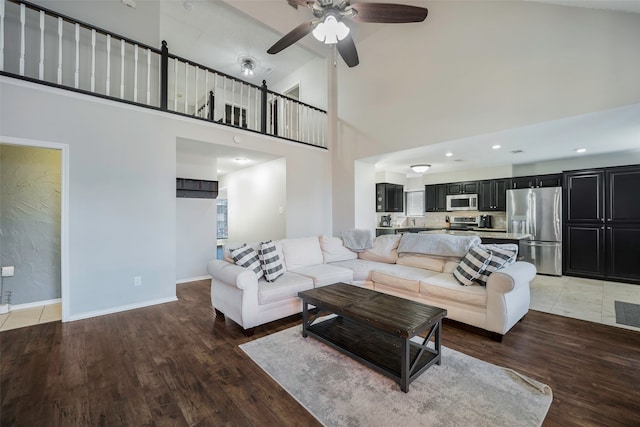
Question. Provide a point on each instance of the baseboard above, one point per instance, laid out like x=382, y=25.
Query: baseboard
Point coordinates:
x=192, y=279
x=118, y=309
x=35, y=304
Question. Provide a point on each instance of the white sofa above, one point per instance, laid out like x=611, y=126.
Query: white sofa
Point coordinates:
x=314, y=261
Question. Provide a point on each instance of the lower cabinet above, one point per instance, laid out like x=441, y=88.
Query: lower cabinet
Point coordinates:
x=623, y=256
x=584, y=250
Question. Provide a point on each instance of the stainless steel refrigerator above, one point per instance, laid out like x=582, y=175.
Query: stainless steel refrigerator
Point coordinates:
x=538, y=211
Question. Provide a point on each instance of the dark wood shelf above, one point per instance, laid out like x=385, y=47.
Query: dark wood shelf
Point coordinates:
x=196, y=188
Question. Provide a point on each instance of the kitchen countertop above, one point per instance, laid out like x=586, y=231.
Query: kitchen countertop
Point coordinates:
x=485, y=234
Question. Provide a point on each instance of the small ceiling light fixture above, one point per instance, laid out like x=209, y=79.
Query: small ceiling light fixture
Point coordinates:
x=420, y=168
x=580, y=150
x=449, y=154
x=247, y=67
x=495, y=147
x=241, y=160
x=331, y=30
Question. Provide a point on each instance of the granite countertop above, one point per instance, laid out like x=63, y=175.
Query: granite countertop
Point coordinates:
x=485, y=234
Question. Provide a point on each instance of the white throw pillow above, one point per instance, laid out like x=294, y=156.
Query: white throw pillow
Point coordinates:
x=502, y=256
x=301, y=252
x=247, y=257
x=270, y=261
x=333, y=250
x=472, y=265
x=385, y=249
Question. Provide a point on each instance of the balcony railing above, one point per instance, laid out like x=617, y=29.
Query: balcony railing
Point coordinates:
x=40, y=45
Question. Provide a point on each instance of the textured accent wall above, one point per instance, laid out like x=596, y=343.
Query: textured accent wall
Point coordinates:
x=30, y=189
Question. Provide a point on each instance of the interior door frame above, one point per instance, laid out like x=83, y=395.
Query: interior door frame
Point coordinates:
x=64, y=210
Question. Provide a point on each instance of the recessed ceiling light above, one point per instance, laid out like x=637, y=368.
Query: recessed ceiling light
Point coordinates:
x=449, y=154
x=241, y=160
x=580, y=150
x=495, y=147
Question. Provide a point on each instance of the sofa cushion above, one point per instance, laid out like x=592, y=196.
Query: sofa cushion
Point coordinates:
x=472, y=265
x=445, y=286
x=502, y=255
x=301, y=252
x=437, y=244
x=384, y=249
x=325, y=274
x=270, y=261
x=428, y=262
x=361, y=268
x=451, y=264
x=333, y=250
x=287, y=286
x=401, y=277
x=246, y=256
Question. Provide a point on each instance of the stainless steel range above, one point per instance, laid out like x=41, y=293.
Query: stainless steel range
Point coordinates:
x=464, y=222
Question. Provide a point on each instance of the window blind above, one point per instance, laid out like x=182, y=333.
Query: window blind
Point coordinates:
x=415, y=203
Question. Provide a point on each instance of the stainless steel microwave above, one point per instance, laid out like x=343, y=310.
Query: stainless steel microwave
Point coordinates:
x=462, y=202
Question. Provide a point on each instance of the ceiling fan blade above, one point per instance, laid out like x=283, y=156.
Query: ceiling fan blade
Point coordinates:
x=291, y=37
x=388, y=13
x=347, y=49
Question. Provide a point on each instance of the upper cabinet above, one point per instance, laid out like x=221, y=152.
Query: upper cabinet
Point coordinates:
x=389, y=197
x=537, y=181
x=196, y=188
x=469, y=187
x=584, y=196
x=435, y=198
x=492, y=194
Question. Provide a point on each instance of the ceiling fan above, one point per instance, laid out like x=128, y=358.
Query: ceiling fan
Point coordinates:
x=328, y=25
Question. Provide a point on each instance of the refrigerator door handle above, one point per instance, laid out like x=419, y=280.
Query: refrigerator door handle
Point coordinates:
x=543, y=244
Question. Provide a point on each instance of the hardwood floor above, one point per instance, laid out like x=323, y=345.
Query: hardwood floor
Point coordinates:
x=174, y=365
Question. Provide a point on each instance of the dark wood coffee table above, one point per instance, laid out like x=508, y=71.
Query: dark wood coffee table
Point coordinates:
x=376, y=329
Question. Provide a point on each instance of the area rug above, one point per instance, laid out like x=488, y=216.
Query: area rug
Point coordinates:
x=627, y=313
x=338, y=391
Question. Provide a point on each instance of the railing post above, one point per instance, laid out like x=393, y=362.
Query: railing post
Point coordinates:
x=212, y=100
x=263, y=115
x=164, y=75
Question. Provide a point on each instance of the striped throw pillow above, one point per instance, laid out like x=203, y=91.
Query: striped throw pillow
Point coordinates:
x=501, y=256
x=245, y=256
x=472, y=265
x=270, y=261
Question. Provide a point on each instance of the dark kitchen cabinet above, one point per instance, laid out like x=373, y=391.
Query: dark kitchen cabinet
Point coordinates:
x=584, y=250
x=196, y=188
x=584, y=196
x=622, y=256
x=602, y=223
x=537, y=181
x=389, y=197
x=435, y=198
x=623, y=187
x=469, y=187
x=492, y=194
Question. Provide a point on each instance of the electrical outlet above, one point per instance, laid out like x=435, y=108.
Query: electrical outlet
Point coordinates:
x=137, y=281
x=8, y=271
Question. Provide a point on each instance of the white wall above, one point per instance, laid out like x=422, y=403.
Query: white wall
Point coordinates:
x=30, y=221
x=312, y=79
x=257, y=202
x=122, y=170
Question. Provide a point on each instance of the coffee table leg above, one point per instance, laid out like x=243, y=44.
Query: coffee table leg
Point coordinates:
x=305, y=317
x=404, y=365
x=437, y=342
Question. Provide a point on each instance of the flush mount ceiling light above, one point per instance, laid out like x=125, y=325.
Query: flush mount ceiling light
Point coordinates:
x=247, y=67
x=581, y=150
x=331, y=30
x=495, y=147
x=420, y=168
x=449, y=154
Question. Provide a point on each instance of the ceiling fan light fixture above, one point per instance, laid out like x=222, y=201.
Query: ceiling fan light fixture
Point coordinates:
x=247, y=67
x=420, y=168
x=331, y=30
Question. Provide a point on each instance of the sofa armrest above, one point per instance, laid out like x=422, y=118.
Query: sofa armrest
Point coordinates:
x=511, y=277
x=232, y=275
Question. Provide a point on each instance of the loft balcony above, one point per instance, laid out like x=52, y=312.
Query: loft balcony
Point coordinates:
x=43, y=46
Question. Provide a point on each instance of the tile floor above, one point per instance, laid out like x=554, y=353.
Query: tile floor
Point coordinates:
x=584, y=299
x=30, y=316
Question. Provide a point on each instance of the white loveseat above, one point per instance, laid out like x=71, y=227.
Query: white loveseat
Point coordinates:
x=314, y=261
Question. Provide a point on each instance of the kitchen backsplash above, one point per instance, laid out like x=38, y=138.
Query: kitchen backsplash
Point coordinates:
x=437, y=219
